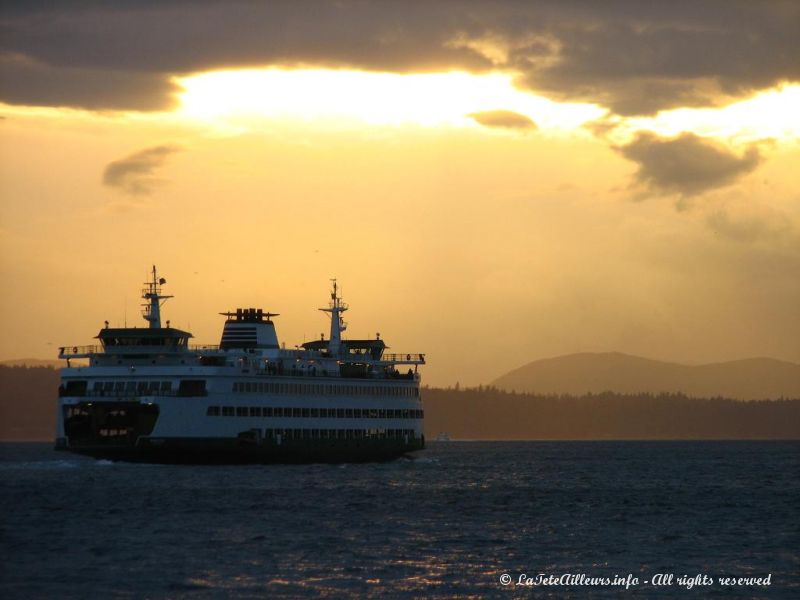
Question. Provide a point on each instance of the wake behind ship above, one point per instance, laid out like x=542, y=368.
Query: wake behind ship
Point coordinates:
x=148, y=395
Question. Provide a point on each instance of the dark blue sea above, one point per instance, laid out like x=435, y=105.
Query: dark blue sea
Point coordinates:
x=459, y=521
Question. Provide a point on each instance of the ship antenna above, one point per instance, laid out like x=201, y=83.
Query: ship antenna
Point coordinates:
x=151, y=309
x=336, y=308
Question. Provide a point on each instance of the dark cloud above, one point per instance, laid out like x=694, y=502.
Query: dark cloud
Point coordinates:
x=503, y=118
x=30, y=83
x=629, y=55
x=133, y=174
x=687, y=165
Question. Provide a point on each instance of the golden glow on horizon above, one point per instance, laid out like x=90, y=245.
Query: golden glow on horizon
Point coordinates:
x=373, y=98
x=241, y=101
x=774, y=114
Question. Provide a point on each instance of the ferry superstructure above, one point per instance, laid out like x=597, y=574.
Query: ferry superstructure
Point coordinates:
x=149, y=395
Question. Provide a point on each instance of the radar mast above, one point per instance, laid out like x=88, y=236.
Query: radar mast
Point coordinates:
x=151, y=309
x=336, y=308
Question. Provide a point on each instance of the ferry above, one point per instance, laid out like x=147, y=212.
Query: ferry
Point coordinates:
x=146, y=394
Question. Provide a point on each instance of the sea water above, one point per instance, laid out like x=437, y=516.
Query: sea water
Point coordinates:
x=463, y=519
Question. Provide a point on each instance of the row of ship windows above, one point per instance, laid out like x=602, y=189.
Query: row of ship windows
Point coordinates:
x=340, y=434
x=325, y=413
x=154, y=387
x=132, y=386
x=269, y=387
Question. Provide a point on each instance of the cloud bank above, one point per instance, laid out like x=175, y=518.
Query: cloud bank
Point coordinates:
x=687, y=165
x=133, y=175
x=631, y=56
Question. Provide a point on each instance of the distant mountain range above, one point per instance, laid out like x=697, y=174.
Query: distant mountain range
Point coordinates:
x=577, y=374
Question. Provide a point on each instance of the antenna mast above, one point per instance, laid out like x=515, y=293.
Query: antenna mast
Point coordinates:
x=151, y=309
x=336, y=308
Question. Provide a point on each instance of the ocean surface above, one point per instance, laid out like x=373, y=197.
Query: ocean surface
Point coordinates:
x=458, y=521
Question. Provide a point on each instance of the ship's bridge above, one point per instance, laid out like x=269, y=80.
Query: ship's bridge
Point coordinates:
x=352, y=350
x=162, y=339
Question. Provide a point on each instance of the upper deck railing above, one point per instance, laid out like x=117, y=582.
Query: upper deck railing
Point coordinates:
x=404, y=358
x=82, y=351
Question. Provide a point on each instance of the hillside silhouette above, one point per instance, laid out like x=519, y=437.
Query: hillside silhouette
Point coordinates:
x=494, y=414
x=585, y=373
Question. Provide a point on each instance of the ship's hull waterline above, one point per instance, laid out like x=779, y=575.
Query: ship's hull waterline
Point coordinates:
x=225, y=451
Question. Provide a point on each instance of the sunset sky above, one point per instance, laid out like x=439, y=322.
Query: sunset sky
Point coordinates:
x=490, y=182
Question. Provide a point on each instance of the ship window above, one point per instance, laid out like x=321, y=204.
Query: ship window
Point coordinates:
x=235, y=386
x=340, y=413
x=255, y=411
x=382, y=413
x=213, y=411
x=241, y=411
x=97, y=386
x=119, y=386
x=357, y=413
x=130, y=386
x=268, y=433
x=267, y=411
x=305, y=413
x=296, y=412
x=348, y=413
x=141, y=387
x=314, y=412
x=315, y=434
x=166, y=386
x=227, y=411
x=154, y=385
x=297, y=434
x=323, y=434
x=306, y=434
x=108, y=386
x=192, y=387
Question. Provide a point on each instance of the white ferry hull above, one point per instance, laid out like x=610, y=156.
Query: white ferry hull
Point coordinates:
x=244, y=428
